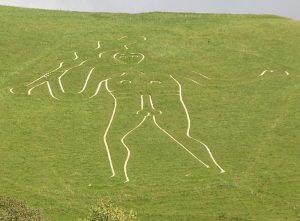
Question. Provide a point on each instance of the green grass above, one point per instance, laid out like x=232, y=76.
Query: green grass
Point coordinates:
x=50, y=150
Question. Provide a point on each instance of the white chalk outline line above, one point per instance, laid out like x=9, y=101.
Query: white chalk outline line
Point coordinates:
x=121, y=82
x=201, y=74
x=76, y=56
x=11, y=91
x=287, y=73
x=152, y=82
x=49, y=89
x=151, y=103
x=115, y=57
x=116, y=54
x=126, y=46
x=98, y=89
x=30, y=90
x=47, y=74
x=87, y=79
x=60, y=77
x=122, y=38
x=143, y=57
x=180, y=144
x=123, y=74
x=142, y=104
x=265, y=71
x=134, y=54
x=189, y=126
x=210, y=154
x=262, y=74
x=196, y=82
x=127, y=148
x=100, y=54
x=108, y=128
x=98, y=45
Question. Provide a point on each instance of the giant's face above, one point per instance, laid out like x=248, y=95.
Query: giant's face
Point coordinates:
x=129, y=58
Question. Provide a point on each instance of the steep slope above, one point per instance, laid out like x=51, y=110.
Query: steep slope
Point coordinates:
x=230, y=82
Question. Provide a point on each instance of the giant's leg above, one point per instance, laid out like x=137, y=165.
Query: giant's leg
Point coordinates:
x=176, y=123
x=188, y=129
x=123, y=122
x=127, y=148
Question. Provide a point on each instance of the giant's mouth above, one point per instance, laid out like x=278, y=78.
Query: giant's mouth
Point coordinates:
x=129, y=58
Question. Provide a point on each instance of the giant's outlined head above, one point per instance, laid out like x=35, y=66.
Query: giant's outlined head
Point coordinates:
x=129, y=55
x=129, y=58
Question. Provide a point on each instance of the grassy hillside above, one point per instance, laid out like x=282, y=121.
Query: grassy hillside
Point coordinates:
x=52, y=152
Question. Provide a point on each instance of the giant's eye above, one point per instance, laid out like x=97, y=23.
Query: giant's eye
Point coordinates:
x=130, y=58
x=125, y=81
x=155, y=82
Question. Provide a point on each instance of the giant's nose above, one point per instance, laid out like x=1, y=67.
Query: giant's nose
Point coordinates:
x=129, y=58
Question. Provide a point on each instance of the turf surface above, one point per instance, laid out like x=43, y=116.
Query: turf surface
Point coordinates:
x=52, y=152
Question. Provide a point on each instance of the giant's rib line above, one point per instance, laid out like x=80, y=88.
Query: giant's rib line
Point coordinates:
x=86, y=81
x=65, y=72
